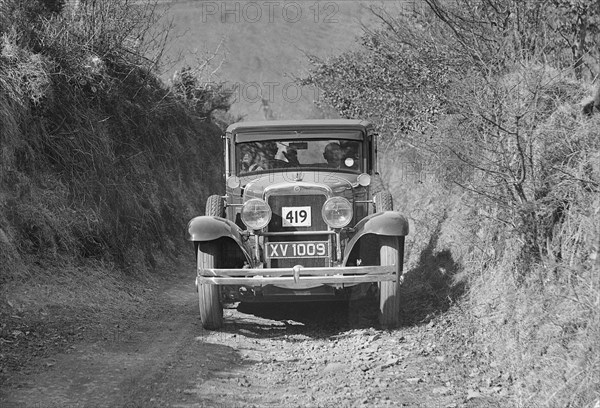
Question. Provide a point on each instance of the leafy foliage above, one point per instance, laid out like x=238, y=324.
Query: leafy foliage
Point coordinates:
x=398, y=78
x=101, y=161
x=482, y=93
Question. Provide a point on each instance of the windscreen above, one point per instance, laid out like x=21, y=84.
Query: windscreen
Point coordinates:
x=300, y=154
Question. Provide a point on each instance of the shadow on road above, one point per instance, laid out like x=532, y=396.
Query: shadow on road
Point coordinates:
x=312, y=319
x=429, y=288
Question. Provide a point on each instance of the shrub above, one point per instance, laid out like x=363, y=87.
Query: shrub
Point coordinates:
x=100, y=159
x=513, y=206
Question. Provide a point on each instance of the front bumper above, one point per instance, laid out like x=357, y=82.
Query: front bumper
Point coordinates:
x=298, y=276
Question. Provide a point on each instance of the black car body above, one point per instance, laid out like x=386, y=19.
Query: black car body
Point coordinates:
x=299, y=220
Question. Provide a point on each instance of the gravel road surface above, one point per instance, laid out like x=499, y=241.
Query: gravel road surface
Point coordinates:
x=267, y=355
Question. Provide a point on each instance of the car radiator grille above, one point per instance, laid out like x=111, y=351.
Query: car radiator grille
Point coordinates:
x=276, y=202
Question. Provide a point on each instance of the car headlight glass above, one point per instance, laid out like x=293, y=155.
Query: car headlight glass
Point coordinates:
x=256, y=214
x=337, y=212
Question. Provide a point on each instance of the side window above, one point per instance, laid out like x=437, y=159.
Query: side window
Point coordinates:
x=372, y=153
x=229, y=151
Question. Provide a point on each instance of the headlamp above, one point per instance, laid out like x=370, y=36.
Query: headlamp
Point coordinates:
x=337, y=212
x=256, y=214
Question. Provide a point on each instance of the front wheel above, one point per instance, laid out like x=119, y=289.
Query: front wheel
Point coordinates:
x=209, y=296
x=391, y=253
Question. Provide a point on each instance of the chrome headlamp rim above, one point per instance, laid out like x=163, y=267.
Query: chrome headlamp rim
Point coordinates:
x=363, y=179
x=340, y=201
x=233, y=182
x=251, y=216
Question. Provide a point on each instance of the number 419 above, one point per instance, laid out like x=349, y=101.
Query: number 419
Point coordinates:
x=296, y=216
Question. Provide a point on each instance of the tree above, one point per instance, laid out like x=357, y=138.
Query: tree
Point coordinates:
x=466, y=84
x=577, y=22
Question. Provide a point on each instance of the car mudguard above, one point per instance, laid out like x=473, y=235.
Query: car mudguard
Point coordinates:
x=389, y=223
x=209, y=228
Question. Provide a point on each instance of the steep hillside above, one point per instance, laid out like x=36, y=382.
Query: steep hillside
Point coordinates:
x=259, y=48
x=102, y=164
x=497, y=165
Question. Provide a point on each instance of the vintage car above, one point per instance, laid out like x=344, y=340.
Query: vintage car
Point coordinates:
x=299, y=220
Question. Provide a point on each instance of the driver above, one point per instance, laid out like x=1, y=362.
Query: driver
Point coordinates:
x=252, y=161
x=247, y=161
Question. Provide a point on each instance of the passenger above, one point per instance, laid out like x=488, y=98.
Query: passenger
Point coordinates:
x=291, y=155
x=350, y=155
x=333, y=154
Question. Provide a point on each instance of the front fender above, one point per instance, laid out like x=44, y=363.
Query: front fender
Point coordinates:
x=209, y=228
x=389, y=223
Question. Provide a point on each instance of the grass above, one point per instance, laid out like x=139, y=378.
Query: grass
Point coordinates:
x=539, y=328
x=93, y=151
x=102, y=166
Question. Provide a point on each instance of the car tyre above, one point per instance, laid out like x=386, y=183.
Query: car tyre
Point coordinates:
x=209, y=299
x=215, y=206
x=383, y=201
x=209, y=296
x=391, y=253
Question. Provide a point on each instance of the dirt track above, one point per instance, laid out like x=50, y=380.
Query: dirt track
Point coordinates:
x=284, y=355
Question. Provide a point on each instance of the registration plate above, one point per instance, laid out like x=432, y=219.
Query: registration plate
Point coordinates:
x=295, y=216
x=318, y=249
